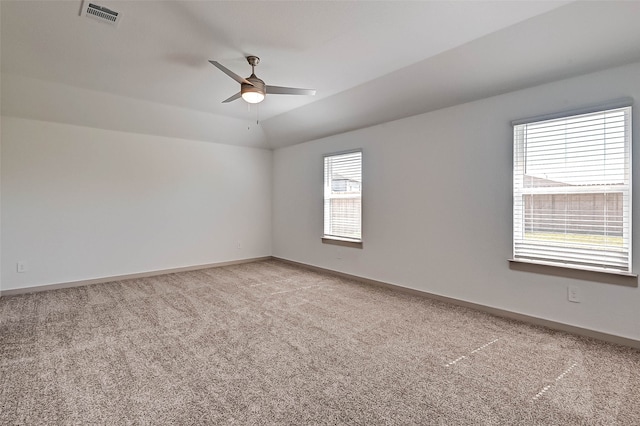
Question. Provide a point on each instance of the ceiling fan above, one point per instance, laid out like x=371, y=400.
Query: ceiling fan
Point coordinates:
x=252, y=89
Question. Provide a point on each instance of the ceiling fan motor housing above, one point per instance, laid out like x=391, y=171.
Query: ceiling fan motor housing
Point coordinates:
x=257, y=87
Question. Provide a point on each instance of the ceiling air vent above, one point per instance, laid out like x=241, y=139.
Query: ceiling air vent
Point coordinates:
x=100, y=13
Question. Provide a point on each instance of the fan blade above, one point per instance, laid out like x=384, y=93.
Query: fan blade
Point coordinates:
x=230, y=73
x=278, y=90
x=232, y=98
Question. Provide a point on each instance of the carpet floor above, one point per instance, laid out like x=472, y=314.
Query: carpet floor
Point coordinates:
x=271, y=343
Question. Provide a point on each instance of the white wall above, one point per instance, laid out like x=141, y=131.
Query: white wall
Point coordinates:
x=437, y=206
x=82, y=203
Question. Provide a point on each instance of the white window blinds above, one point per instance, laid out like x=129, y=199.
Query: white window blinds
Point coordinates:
x=572, y=191
x=343, y=196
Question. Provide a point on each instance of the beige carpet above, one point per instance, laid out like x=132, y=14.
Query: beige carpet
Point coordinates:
x=270, y=343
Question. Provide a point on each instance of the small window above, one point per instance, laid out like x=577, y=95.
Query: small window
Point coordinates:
x=572, y=191
x=343, y=198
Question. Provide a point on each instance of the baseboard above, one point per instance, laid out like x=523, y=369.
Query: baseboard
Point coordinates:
x=610, y=338
x=47, y=287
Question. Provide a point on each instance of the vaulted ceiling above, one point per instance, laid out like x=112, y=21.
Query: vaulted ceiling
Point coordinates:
x=370, y=62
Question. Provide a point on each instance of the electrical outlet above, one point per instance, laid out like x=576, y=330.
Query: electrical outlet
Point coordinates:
x=239, y=245
x=573, y=294
x=21, y=266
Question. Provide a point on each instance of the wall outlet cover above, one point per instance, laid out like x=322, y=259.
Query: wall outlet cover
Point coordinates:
x=573, y=294
x=21, y=266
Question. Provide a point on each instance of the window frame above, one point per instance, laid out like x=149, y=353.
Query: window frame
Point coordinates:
x=335, y=239
x=519, y=145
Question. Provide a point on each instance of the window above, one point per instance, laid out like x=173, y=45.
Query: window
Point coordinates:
x=572, y=189
x=343, y=198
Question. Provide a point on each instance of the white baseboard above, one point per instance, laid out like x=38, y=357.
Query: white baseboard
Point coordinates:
x=56, y=286
x=611, y=338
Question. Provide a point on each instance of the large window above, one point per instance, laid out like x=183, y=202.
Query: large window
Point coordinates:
x=572, y=190
x=343, y=197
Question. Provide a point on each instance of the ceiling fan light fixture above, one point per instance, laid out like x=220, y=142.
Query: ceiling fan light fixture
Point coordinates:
x=255, y=92
x=252, y=95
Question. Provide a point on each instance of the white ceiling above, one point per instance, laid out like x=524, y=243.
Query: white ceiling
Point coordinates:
x=369, y=61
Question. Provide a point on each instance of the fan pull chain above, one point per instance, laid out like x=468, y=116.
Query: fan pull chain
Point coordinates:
x=257, y=114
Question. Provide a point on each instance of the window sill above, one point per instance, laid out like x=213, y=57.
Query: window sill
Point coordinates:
x=628, y=279
x=342, y=242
